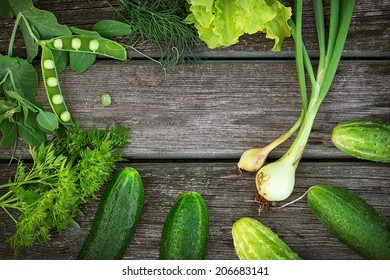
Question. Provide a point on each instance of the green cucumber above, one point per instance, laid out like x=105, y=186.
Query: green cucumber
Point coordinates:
x=363, y=139
x=116, y=218
x=254, y=241
x=352, y=220
x=185, y=232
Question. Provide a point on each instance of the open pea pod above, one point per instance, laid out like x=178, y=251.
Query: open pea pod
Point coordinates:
x=87, y=44
x=52, y=86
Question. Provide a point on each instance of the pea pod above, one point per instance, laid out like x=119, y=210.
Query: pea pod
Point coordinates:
x=52, y=86
x=87, y=44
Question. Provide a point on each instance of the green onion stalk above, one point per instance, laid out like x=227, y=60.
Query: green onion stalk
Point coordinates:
x=275, y=181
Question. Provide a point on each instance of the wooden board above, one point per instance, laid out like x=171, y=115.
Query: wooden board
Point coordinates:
x=368, y=36
x=218, y=109
x=228, y=196
x=191, y=125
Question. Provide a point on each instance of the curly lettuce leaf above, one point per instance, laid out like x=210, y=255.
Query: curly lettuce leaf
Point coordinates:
x=222, y=22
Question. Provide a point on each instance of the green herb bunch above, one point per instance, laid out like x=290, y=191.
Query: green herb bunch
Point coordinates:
x=161, y=22
x=65, y=174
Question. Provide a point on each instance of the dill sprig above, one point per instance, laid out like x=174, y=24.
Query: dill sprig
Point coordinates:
x=162, y=22
x=65, y=174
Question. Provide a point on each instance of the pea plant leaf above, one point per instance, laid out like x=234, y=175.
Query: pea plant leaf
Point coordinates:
x=7, y=109
x=61, y=60
x=20, y=5
x=25, y=79
x=5, y=10
x=31, y=44
x=9, y=133
x=80, y=62
x=91, y=34
x=46, y=23
x=47, y=120
x=31, y=135
x=112, y=28
x=7, y=64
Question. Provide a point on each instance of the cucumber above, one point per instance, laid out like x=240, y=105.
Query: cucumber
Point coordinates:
x=116, y=218
x=363, y=139
x=352, y=220
x=185, y=232
x=254, y=241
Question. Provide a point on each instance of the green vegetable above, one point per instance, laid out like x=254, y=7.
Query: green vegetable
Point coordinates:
x=254, y=241
x=158, y=21
x=275, y=181
x=106, y=99
x=221, y=23
x=352, y=220
x=112, y=28
x=65, y=174
x=363, y=139
x=20, y=114
x=87, y=44
x=53, y=90
x=185, y=232
x=116, y=218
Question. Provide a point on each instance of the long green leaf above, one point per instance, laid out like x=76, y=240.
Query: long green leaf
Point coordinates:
x=112, y=28
x=346, y=11
x=320, y=27
x=299, y=48
x=333, y=29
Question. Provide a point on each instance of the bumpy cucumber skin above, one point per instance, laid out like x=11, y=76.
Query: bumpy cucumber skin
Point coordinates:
x=116, y=218
x=352, y=220
x=186, y=228
x=363, y=139
x=254, y=241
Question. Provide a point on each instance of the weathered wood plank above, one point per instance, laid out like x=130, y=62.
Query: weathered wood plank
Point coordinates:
x=227, y=195
x=368, y=37
x=217, y=110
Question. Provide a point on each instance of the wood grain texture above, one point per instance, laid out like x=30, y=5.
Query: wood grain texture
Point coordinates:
x=228, y=197
x=191, y=124
x=218, y=109
x=368, y=37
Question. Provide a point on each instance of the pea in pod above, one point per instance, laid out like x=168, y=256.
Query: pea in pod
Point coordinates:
x=52, y=86
x=87, y=44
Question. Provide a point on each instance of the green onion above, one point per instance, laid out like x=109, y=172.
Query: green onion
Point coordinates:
x=275, y=181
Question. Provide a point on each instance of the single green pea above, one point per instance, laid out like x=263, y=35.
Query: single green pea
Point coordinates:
x=65, y=116
x=57, y=99
x=93, y=45
x=52, y=82
x=106, y=99
x=58, y=44
x=76, y=43
x=48, y=64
